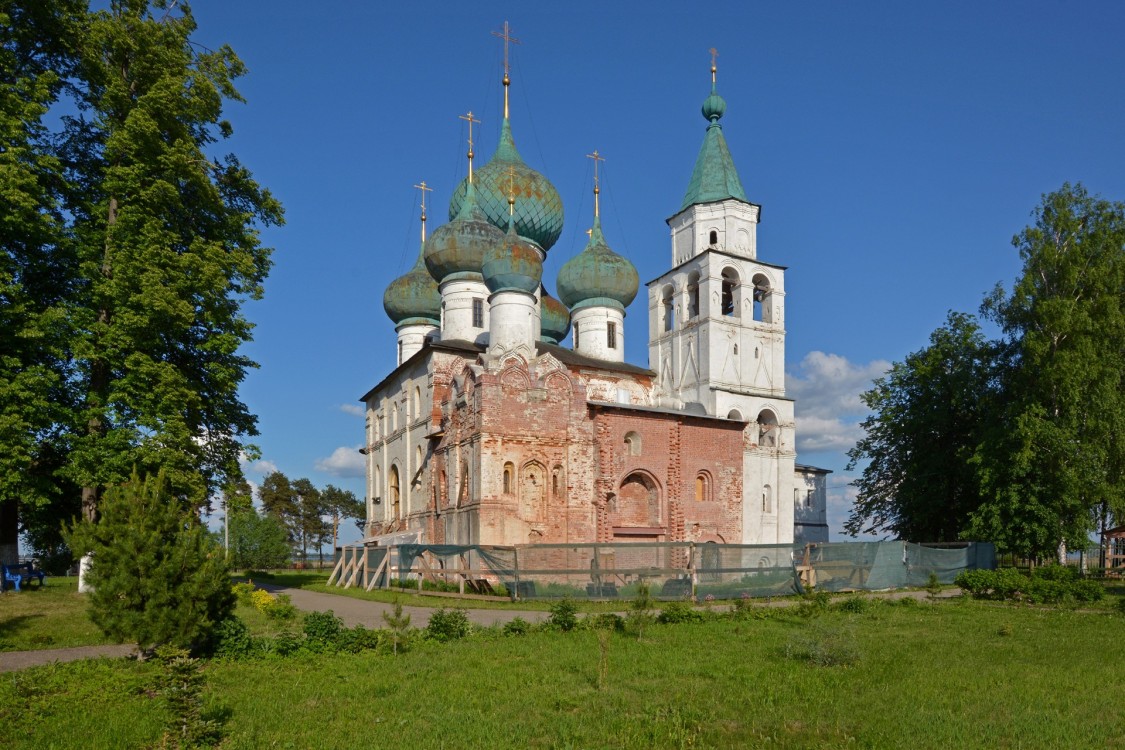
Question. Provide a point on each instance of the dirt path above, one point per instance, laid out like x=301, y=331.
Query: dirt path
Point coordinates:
x=10, y=661
x=370, y=614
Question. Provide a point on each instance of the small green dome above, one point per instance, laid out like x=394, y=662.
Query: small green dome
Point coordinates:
x=554, y=318
x=714, y=106
x=598, y=276
x=456, y=250
x=413, y=298
x=539, y=211
x=515, y=265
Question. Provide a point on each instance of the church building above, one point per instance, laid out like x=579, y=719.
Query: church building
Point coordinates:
x=491, y=431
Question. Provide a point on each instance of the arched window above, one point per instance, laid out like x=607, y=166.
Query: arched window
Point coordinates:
x=693, y=295
x=763, y=299
x=767, y=429
x=713, y=238
x=767, y=499
x=668, y=307
x=394, y=417
x=730, y=300
x=702, y=487
x=417, y=402
x=556, y=482
x=632, y=444
x=377, y=488
x=509, y=472
x=400, y=351
x=419, y=457
x=393, y=491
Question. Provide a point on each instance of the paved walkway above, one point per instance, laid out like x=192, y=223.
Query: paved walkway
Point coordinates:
x=353, y=612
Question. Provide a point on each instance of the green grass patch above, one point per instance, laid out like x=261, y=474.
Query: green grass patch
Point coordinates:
x=50, y=616
x=948, y=674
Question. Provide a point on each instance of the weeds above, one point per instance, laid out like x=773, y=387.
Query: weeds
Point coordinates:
x=824, y=645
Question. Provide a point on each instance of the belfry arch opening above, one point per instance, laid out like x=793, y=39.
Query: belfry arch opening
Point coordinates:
x=668, y=307
x=768, y=431
x=693, y=295
x=730, y=301
x=763, y=299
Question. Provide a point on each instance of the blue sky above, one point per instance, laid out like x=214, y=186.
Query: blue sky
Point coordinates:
x=895, y=149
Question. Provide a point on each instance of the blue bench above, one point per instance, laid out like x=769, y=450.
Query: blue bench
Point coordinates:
x=23, y=573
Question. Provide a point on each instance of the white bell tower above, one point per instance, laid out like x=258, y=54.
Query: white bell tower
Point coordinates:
x=717, y=331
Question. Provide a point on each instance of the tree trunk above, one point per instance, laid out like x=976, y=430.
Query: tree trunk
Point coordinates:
x=9, y=532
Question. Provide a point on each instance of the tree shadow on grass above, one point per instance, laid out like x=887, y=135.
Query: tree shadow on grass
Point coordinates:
x=20, y=625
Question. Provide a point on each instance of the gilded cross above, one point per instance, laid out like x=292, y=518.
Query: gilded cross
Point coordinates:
x=596, y=157
x=714, y=54
x=424, y=189
x=508, y=38
x=470, y=119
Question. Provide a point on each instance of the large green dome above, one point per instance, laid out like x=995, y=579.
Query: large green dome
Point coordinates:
x=598, y=276
x=515, y=265
x=554, y=318
x=413, y=298
x=539, y=211
x=456, y=250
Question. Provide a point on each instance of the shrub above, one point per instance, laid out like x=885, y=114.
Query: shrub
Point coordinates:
x=231, y=639
x=158, y=576
x=242, y=592
x=814, y=603
x=677, y=612
x=1056, y=572
x=285, y=643
x=323, y=630
x=564, y=615
x=855, y=605
x=359, y=639
x=517, y=626
x=606, y=621
x=448, y=625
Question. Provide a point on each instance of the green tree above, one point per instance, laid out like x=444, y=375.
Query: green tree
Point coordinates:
x=37, y=43
x=257, y=542
x=158, y=576
x=928, y=413
x=339, y=504
x=308, y=519
x=1054, y=460
x=166, y=236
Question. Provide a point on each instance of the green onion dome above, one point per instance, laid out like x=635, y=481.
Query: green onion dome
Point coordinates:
x=554, y=318
x=456, y=250
x=515, y=265
x=413, y=298
x=598, y=276
x=714, y=106
x=539, y=211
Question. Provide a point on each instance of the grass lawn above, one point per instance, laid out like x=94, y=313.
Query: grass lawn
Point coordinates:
x=956, y=673
x=51, y=616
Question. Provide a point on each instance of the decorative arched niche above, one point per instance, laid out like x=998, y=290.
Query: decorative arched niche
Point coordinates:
x=638, y=502
x=769, y=433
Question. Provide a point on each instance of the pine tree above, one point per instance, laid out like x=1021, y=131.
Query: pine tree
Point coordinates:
x=158, y=577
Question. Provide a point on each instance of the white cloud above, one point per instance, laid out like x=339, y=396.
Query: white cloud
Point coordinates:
x=344, y=462
x=826, y=388
x=354, y=409
x=263, y=466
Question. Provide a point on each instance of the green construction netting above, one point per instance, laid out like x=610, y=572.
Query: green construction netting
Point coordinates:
x=677, y=570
